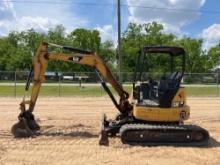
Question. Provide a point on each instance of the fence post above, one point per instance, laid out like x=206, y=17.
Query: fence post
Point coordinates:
x=59, y=85
x=217, y=84
x=101, y=89
x=15, y=84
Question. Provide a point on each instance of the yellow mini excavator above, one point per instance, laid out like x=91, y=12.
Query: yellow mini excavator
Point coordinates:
x=153, y=115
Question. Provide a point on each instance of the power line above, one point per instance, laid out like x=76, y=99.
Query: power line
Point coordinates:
x=175, y=9
x=61, y=2
x=114, y=5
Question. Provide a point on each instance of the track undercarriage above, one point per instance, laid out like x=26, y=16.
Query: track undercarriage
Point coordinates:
x=136, y=132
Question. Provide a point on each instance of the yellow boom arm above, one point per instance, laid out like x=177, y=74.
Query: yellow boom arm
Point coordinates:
x=40, y=63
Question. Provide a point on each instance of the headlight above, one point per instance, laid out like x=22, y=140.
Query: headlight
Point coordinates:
x=178, y=104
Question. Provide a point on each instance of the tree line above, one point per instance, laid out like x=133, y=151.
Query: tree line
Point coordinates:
x=18, y=48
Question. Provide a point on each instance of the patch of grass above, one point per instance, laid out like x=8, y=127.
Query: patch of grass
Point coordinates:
x=56, y=91
x=96, y=91
x=203, y=91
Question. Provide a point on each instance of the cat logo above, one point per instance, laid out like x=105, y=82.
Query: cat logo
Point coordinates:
x=75, y=59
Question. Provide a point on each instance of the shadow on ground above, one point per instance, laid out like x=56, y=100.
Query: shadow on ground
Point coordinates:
x=68, y=131
x=213, y=142
x=82, y=134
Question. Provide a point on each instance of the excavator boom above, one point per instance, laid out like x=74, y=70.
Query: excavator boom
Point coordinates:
x=40, y=62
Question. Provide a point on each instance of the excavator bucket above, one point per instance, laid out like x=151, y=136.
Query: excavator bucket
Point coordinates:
x=26, y=126
x=21, y=129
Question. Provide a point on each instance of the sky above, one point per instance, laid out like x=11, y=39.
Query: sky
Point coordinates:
x=193, y=18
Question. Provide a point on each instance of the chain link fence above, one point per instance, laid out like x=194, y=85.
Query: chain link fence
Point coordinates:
x=88, y=84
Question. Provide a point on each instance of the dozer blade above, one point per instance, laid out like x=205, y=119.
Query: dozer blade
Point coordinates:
x=103, y=136
x=151, y=135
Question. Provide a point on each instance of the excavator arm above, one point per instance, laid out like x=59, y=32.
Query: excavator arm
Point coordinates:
x=27, y=123
x=40, y=63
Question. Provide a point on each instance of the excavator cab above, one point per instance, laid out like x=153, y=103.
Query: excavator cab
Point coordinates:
x=151, y=92
x=164, y=97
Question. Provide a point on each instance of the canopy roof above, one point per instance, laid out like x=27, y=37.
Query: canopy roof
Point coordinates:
x=173, y=51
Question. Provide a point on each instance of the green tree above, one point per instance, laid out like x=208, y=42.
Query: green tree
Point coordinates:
x=5, y=51
x=56, y=35
x=132, y=41
x=18, y=48
x=138, y=36
x=214, y=57
x=31, y=39
x=85, y=39
x=194, y=54
x=107, y=53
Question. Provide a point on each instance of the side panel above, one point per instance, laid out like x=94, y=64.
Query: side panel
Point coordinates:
x=161, y=114
x=180, y=95
x=179, y=111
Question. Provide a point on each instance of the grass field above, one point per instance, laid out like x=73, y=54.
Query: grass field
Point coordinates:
x=98, y=91
x=56, y=91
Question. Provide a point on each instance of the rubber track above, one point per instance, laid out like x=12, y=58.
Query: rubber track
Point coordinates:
x=164, y=129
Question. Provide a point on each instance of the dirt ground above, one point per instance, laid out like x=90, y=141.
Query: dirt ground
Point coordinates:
x=70, y=128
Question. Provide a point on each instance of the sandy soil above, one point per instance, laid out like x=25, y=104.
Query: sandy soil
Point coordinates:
x=70, y=128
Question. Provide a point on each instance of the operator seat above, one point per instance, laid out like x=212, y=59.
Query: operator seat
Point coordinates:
x=168, y=88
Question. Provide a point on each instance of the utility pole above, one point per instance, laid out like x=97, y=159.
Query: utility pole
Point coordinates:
x=119, y=42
